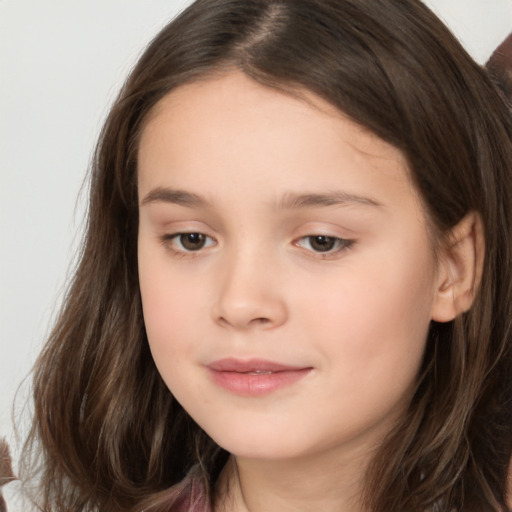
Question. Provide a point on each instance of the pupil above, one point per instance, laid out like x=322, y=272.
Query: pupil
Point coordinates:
x=192, y=241
x=322, y=243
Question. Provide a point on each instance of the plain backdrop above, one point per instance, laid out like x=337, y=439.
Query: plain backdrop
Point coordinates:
x=61, y=65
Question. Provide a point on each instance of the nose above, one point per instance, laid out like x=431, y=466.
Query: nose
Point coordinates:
x=250, y=294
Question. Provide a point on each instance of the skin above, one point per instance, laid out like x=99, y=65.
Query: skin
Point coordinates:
x=356, y=316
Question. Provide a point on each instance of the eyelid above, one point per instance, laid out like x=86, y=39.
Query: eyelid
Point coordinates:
x=169, y=241
x=341, y=245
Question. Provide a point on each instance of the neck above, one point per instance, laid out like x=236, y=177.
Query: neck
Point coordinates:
x=327, y=483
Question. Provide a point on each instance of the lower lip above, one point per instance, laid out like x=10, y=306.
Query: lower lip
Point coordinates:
x=250, y=384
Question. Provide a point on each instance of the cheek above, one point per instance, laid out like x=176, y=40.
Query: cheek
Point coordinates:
x=168, y=306
x=374, y=321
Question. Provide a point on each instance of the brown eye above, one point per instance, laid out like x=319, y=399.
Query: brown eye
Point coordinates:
x=191, y=241
x=322, y=243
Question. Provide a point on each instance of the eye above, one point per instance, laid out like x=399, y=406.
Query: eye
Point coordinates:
x=323, y=243
x=189, y=242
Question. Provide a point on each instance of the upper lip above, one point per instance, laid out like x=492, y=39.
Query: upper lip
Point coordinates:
x=250, y=365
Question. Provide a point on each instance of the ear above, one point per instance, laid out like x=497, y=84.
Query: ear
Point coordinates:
x=460, y=269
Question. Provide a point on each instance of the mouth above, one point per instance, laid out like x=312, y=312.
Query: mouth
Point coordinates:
x=255, y=377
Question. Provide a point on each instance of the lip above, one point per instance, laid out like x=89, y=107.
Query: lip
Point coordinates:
x=254, y=377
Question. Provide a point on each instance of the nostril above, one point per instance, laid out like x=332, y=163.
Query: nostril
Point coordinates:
x=244, y=307
x=261, y=320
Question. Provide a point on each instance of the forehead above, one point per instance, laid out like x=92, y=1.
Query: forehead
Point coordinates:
x=231, y=129
x=234, y=92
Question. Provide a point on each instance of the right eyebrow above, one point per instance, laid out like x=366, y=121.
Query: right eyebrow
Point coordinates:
x=174, y=196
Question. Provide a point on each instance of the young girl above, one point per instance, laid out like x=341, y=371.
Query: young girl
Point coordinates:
x=295, y=287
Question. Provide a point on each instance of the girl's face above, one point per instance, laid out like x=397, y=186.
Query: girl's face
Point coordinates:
x=287, y=275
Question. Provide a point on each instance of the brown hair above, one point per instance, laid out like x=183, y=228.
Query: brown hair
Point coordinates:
x=111, y=435
x=500, y=66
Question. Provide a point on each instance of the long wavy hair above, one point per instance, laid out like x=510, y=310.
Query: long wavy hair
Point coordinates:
x=108, y=435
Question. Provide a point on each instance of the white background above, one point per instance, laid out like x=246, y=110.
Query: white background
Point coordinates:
x=61, y=64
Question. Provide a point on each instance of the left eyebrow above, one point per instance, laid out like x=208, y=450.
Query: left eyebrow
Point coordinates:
x=338, y=198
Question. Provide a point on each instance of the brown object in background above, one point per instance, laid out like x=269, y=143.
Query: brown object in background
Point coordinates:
x=6, y=474
x=500, y=66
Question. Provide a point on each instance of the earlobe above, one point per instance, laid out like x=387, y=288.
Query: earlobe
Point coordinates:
x=460, y=269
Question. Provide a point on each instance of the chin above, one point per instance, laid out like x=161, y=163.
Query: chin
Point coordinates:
x=256, y=441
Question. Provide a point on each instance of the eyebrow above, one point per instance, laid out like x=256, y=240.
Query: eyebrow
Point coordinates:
x=337, y=198
x=170, y=195
x=289, y=201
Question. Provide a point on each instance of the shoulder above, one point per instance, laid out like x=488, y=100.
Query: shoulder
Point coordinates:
x=6, y=474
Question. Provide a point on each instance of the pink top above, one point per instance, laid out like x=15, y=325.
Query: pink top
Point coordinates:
x=190, y=494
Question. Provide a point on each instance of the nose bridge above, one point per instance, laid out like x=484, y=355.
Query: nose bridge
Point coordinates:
x=248, y=291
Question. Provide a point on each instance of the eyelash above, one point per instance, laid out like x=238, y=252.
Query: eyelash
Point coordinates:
x=171, y=241
x=338, y=244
